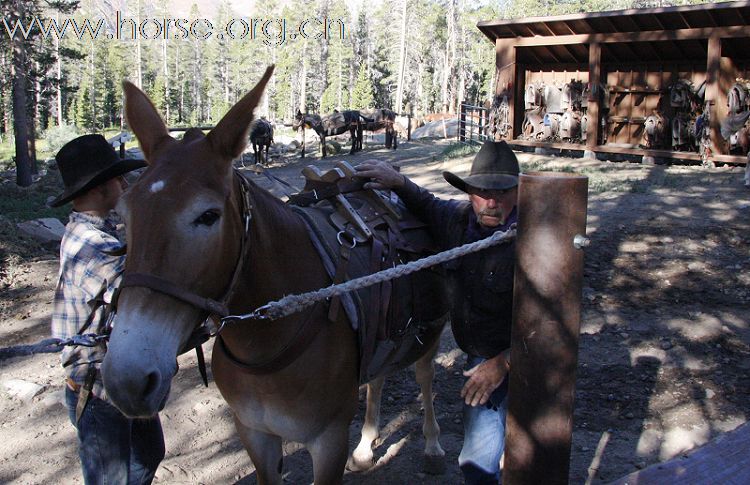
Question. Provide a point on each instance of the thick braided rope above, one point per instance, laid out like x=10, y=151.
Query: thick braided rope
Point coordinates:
x=295, y=303
x=45, y=346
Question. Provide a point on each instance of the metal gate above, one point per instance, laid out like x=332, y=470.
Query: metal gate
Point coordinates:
x=473, y=123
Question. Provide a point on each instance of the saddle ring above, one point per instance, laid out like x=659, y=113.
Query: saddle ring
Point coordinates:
x=353, y=242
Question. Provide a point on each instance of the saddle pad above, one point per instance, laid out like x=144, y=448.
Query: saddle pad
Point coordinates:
x=390, y=317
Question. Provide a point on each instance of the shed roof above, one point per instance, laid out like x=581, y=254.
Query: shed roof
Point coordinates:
x=610, y=24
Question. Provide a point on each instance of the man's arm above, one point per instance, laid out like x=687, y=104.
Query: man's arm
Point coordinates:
x=437, y=213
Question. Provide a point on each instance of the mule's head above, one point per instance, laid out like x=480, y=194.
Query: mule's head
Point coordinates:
x=184, y=226
x=299, y=120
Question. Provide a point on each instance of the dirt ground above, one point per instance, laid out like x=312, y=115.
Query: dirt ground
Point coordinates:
x=664, y=341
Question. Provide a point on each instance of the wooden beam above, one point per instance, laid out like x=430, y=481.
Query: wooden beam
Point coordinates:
x=649, y=36
x=505, y=65
x=723, y=460
x=570, y=52
x=543, y=24
x=684, y=21
x=634, y=12
x=630, y=151
x=531, y=52
x=594, y=110
x=572, y=32
x=552, y=54
x=712, y=93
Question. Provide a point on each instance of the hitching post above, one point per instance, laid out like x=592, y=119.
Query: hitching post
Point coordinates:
x=546, y=321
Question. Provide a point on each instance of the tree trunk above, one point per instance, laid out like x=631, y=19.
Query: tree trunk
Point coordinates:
x=59, y=78
x=138, y=53
x=303, y=81
x=20, y=114
x=324, y=45
x=449, y=58
x=181, y=104
x=92, y=71
x=401, y=62
x=167, y=81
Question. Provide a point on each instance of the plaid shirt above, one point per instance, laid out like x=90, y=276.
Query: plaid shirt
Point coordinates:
x=86, y=272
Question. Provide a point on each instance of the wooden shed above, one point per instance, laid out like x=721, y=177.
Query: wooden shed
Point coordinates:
x=628, y=67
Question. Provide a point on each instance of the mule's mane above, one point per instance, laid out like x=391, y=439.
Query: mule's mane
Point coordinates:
x=268, y=207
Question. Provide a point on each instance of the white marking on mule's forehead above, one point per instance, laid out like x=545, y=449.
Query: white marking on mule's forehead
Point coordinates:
x=157, y=186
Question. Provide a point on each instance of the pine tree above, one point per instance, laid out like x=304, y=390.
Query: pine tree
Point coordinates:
x=362, y=94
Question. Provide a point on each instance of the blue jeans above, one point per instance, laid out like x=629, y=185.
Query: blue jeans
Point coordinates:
x=484, y=435
x=113, y=448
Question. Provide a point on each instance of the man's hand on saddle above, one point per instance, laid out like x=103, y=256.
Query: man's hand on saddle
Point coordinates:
x=381, y=174
x=484, y=378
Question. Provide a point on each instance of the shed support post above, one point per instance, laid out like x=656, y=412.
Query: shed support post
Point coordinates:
x=595, y=96
x=505, y=66
x=712, y=94
x=546, y=322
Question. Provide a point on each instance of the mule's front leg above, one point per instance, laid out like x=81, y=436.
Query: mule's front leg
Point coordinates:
x=265, y=452
x=362, y=457
x=328, y=451
x=434, y=456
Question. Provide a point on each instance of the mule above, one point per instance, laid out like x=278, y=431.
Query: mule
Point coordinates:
x=202, y=240
x=383, y=119
x=261, y=137
x=334, y=124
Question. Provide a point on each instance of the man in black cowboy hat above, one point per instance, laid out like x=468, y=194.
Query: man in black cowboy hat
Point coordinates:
x=482, y=289
x=112, y=448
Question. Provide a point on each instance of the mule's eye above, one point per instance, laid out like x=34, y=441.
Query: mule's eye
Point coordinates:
x=208, y=218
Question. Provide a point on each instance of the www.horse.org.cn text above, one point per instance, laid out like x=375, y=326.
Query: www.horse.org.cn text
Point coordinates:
x=272, y=32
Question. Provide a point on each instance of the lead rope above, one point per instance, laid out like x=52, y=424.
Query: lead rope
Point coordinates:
x=295, y=303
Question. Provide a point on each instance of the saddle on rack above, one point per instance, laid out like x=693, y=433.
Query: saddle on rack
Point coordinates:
x=358, y=232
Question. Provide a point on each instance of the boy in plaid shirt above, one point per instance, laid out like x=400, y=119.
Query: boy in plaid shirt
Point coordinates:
x=113, y=448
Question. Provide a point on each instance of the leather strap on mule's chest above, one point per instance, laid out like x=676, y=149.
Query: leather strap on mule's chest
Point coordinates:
x=289, y=353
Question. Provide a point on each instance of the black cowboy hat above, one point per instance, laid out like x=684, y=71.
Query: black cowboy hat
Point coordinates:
x=495, y=167
x=88, y=161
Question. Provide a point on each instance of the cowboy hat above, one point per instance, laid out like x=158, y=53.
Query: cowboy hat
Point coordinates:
x=88, y=161
x=495, y=167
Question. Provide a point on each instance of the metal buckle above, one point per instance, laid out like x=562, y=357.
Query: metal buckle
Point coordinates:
x=85, y=340
x=353, y=242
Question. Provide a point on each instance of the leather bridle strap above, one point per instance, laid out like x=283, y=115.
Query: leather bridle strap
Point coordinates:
x=168, y=288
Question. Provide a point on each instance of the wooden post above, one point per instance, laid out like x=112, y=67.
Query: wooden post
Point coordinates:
x=546, y=321
x=593, y=110
x=480, y=112
x=712, y=93
x=461, y=123
x=505, y=66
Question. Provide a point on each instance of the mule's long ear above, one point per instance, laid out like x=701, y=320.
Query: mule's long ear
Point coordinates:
x=144, y=120
x=229, y=136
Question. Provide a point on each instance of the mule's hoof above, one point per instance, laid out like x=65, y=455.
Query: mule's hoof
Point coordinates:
x=359, y=465
x=434, y=464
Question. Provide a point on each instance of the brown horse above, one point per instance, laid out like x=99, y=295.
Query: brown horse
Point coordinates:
x=198, y=234
x=330, y=125
x=383, y=119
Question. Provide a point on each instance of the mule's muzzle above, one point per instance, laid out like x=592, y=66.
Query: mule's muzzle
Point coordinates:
x=137, y=392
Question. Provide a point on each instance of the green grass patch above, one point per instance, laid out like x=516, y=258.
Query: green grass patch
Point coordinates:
x=459, y=150
x=32, y=205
